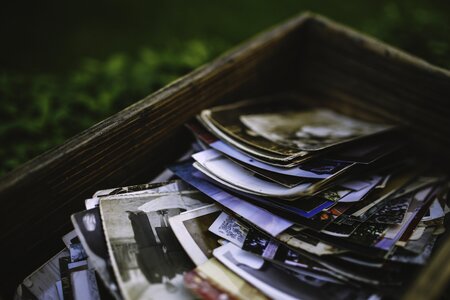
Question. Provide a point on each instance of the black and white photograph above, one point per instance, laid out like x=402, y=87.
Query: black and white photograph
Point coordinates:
x=279, y=283
x=41, y=284
x=157, y=187
x=84, y=285
x=89, y=227
x=191, y=229
x=137, y=190
x=230, y=229
x=147, y=258
x=77, y=252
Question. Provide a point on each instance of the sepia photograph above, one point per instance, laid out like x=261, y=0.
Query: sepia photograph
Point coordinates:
x=309, y=130
x=226, y=118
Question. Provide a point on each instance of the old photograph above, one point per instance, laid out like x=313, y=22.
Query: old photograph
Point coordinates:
x=297, y=171
x=191, y=229
x=222, y=277
x=309, y=130
x=226, y=119
x=230, y=229
x=237, y=176
x=89, y=228
x=267, y=221
x=148, y=260
x=279, y=283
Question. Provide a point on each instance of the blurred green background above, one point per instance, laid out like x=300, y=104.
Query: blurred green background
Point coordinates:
x=67, y=65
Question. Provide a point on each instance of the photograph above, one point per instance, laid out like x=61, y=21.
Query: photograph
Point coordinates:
x=341, y=226
x=84, y=285
x=393, y=185
x=137, y=190
x=417, y=246
x=41, y=283
x=280, y=283
x=309, y=129
x=260, y=150
x=420, y=258
x=327, y=216
x=237, y=176
x=217, y=273
x=300, y=241
x=327, y=167
x=203, y=288
x=230, y=229
x=77, y=252
x=191, y=229
x=89, y=228
x=70, y=238
x=418, y=207
x=132, y=189
x=299, y=207
x=147, y=258
x=393, y=212
x=226, y=119
x=287, y=181
x=353, y=190
x=225, y=172
x=267, y=221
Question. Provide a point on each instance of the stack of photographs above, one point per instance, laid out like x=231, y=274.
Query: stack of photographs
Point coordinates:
x=67, y=275
x=275, y=200
x=314, y=202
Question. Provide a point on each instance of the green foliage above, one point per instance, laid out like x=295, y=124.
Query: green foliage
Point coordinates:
x=423, y=31
x=60, y=107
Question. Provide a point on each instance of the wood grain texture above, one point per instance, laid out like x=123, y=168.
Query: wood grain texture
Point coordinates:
x=330, y=63
x=127, y=148
x=354, y=70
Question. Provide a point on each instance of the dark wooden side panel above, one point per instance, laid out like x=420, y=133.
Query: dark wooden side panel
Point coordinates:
x=363, y=74
x=129, y=147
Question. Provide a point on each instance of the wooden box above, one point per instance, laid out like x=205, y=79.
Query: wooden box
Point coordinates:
x=310, y=55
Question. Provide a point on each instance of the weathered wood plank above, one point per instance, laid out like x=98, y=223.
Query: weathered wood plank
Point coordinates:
x=126, y=148
x=346, y=67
